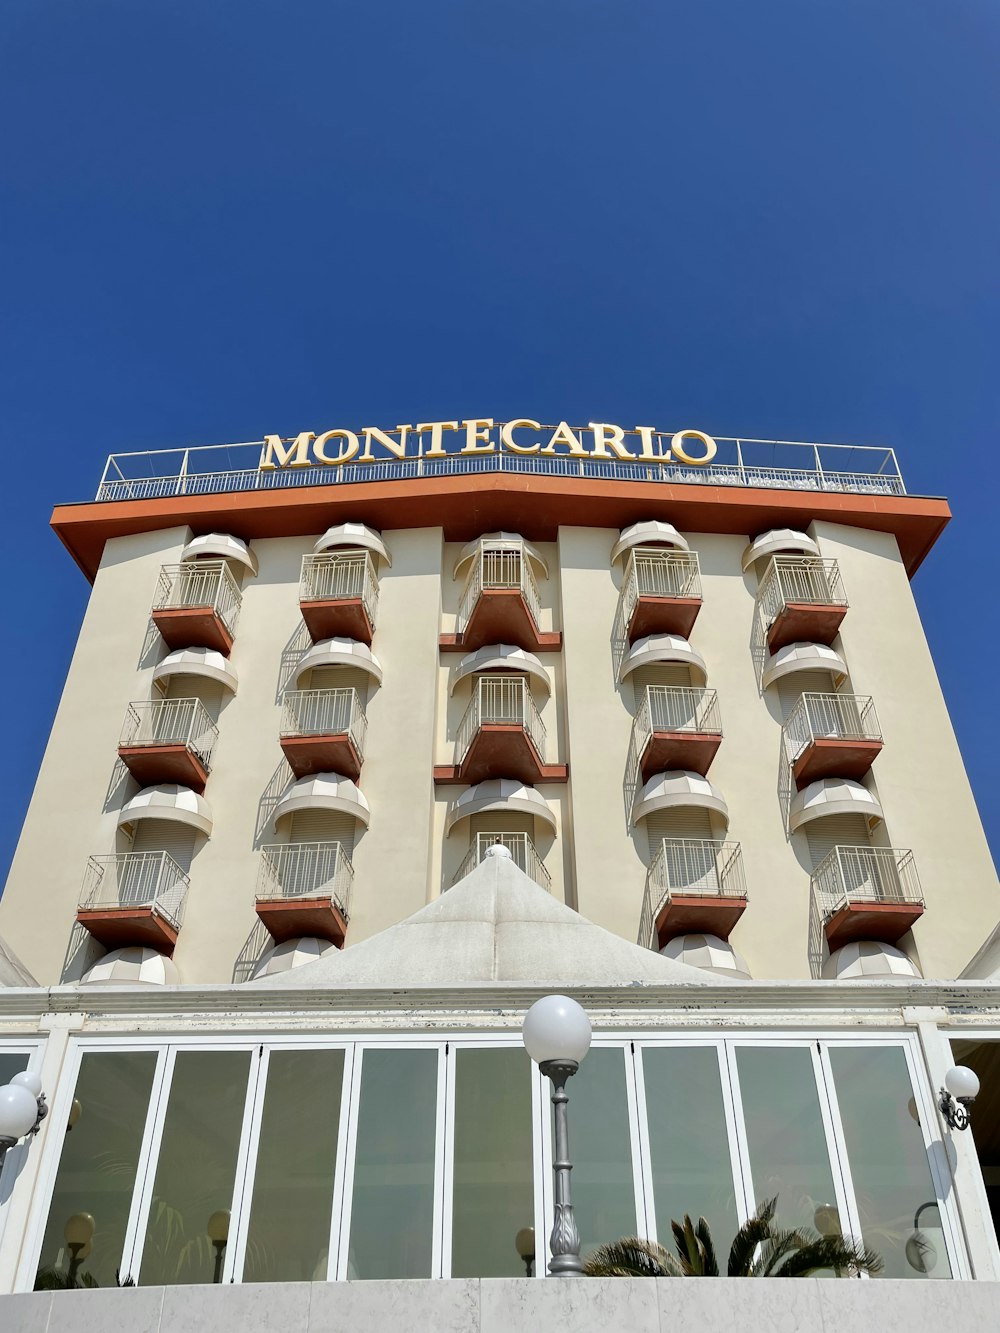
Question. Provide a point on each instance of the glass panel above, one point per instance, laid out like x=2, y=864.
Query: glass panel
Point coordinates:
x=392, y=1215
x=888, y=1160
x=494, y=1184
x=289, y=1235
x=196, y=1168
x=689, y=1153
x=785, y=1137
x=600, y=1149
x=11, y=1064
x=97, y=1169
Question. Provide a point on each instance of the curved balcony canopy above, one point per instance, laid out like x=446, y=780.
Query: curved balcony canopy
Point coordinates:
x=655, y=648
x=832, y=796
x=708, y=952
x=208, y=663
x=504, y=794
x=340, y=652
x=803, y=656
x=356, y=535
x=324, y=791
x=502, y=657
x=132, y=966
x=169, y=801
x=501, y=541
x=676, y=790
x=865, y=959
x=783, y=541
x=291, y=953
x=220, y=545
x=651, y=532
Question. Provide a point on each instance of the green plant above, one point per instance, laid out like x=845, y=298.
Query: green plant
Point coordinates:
x=759, y=1249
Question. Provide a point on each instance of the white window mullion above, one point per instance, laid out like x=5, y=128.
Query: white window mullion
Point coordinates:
x=746, y=1203
x=840, y=1169
x=149, y=1154
x=543, y=1176
x=443, y=1170
x=239, y=1221
x=340, y=1252
x=642, y=1176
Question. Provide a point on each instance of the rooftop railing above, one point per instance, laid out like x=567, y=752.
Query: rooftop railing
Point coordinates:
x=136, y=879
x=171, y=722
x=799, y=578
x=866, y=874
x=306, y=870
x=198, y=583
x=501, y=568
x=325, y=713
x=500, y=701
x=336, y=577
x=522, y=851
x=690, y=867
x=654, y=573
x=816, y=716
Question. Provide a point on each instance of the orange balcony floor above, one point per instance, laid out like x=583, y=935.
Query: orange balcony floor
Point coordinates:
x=665, y=750
x=121, y=927
x=828, y=757
x=341, y=617
x=501, y=615
x=334, y=753
x=859, y=920
x=500, y=751
x=663, y=615
x=687, y=913
x=193, y=627
x=808, y=622
x=152, y=764
x=289, y=918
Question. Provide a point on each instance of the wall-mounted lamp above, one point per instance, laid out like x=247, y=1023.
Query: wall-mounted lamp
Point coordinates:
x=920, y=1253
x=961, y=1087
x=22, y=1110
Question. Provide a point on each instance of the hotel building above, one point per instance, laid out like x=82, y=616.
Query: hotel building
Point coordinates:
x=372, y=738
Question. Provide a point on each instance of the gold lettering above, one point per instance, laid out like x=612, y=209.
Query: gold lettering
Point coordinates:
x=349, y=448
x=436, y=429
x=478, y=429
x=386, y=441
x=609, y=437
x=678, y=450
x=645, y=434
x=564, y=435
x=507, y=436
x=296, y=455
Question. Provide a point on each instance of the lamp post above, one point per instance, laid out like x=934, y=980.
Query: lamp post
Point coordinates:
x=78, y=1233
x=556, y=1034
x=22, y=1110
x=524, y=1243
x=218, y=1234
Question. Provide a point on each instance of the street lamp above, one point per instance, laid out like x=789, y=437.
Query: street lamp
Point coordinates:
x=78, y=1233
x=218, y=1234
x=556, y=1034
x=524, y=1243
x=22, y=1110
x=961, y=1088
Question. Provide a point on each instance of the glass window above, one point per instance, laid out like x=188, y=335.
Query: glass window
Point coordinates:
x=888, y=1159
x=688, y=1140
x=289, y=1232
x=493, y=1195
x=196, y=1168
x=785, y=1137
x=392, y=1214
x=12, y=1063
x=97, y=1170
x=600, y=1149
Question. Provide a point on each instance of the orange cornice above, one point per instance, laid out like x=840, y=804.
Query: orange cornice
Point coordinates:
x=467, y=505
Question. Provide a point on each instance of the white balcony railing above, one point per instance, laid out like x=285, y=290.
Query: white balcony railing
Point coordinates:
x=499, y=568
x=842, y=717
x=799, y=578
x=696, y=867
x=651, y=572
x=522, y=851
x=171, y=722
x=340, y=576
x=136, y=879
x=866, y=874
x=198, y=583
x=500, y=701
x=325, y=713
x=306, y=870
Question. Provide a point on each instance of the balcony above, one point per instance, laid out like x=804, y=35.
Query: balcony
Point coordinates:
x=168, y=740
x=197, y=605
x=676, y=727
x=661, y=593
x=831, y=735
x=693, y=885
x=867, y=893
x=522, y=851
x=501, y=736
x=323, y=731
x=500, y=604
x=801, y=599
x=133, y=898
x=304, y=888
x=338, y=595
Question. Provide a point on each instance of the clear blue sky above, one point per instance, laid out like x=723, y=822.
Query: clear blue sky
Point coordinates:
x=773, y=219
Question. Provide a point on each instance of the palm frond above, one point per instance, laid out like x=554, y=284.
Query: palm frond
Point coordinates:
x=710, y=1263
x=689, y=1249
x=632, y=1257
x=833, y=1252
x=753, y=1231
x=774, y=1249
